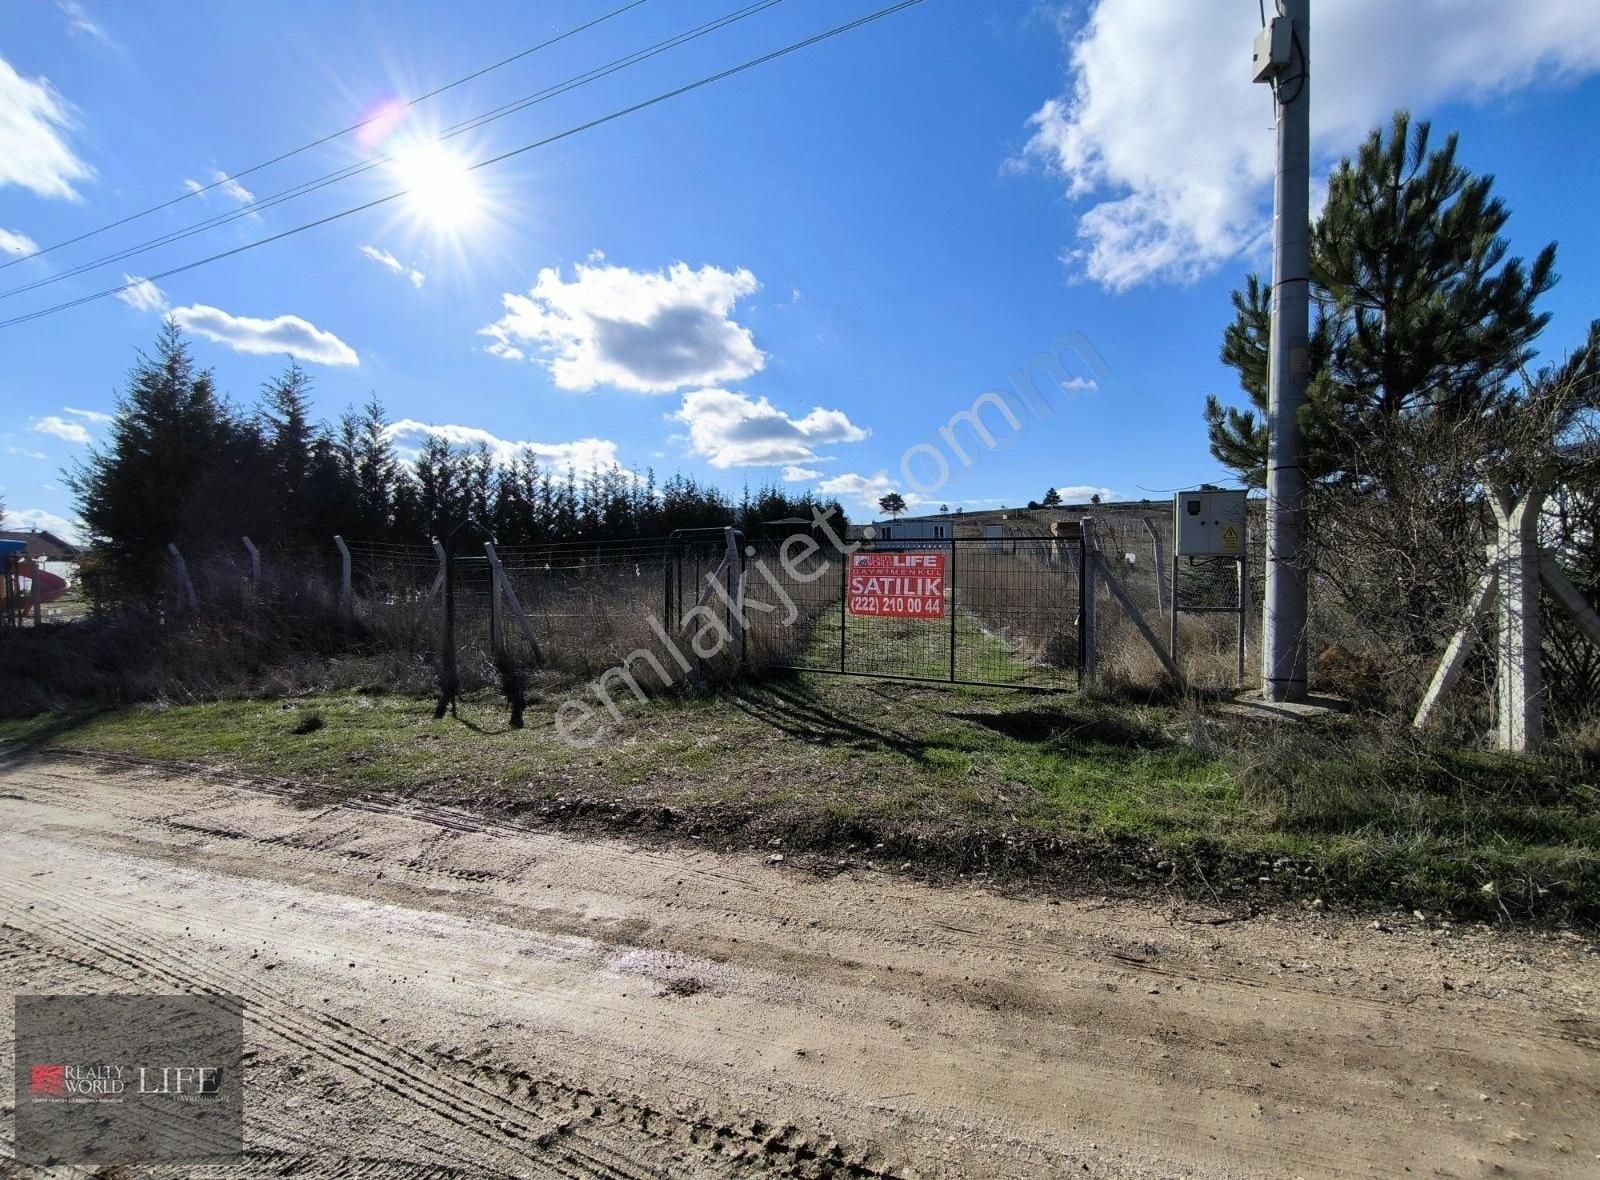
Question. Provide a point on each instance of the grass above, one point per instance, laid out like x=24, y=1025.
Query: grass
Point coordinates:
x=1082, y=793
x=920, y=649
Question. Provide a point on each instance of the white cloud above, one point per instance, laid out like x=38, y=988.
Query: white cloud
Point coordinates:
x=232, y=187
x=27, y=454
x=801, y=474
x=1165, y=137
x=37, y=518
x=12, y=242
x=221, y=180
x=581, y=455
x=98, y=417
x=72, y=432
x=389, y=262
x=142, y=295
x=79, y=21
x=34, y=152
x=285, y=334
x=734, y=430
x=867, y=490
x=648, y=331
x=1079, y=493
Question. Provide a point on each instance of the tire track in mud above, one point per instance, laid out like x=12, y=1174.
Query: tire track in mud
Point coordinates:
x=334, y=1039
x=997, y=1017
x=935, y=938
x=459, y=1091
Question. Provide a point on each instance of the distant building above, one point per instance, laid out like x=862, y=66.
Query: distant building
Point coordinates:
x=910, y=533
x=43, y=545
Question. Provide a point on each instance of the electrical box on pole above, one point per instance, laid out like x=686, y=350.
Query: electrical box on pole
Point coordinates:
x=1273, y=49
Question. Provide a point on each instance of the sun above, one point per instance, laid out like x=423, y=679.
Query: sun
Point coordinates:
x=441, y=192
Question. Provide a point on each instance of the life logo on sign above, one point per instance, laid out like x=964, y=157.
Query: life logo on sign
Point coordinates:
x=897, y=585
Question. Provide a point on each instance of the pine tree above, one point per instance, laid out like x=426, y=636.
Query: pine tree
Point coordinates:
x=377, y=473
x=1419, y=313
x=155, y=479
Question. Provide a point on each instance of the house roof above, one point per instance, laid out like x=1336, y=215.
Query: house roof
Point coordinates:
x=42, y=543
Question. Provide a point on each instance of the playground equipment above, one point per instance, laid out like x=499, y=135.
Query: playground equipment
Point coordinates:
x=27, y=586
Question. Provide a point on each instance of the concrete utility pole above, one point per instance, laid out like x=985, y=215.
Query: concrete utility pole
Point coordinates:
x=1282, y=58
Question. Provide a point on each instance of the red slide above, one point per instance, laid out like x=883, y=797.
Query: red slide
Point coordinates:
x=46, y=585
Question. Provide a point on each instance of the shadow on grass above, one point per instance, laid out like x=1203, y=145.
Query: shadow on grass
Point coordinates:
x=1067, y=729
x=59, y=727
x=793, y=707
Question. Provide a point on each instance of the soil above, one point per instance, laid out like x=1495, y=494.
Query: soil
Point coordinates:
x=433, y=993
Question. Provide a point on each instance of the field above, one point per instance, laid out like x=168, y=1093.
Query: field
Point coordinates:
x=1056, y=789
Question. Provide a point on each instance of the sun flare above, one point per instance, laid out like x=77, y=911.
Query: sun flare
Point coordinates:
x=440, y=190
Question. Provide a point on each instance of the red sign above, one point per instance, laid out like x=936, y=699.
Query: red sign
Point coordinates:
x=897, y=585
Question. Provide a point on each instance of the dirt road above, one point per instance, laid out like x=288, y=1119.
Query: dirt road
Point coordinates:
x=432, y=994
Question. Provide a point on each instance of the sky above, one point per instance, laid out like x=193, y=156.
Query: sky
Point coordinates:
x=801, y=273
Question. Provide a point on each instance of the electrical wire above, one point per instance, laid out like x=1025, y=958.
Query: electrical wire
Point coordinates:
x=221, y=180
x=310, y=186
x=708, y=80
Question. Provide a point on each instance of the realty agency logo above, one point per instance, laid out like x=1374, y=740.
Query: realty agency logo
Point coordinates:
x=95, y=1083
x=159, y=1074
x=65, y=1083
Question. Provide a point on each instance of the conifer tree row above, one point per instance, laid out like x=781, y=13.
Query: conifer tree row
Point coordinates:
x=181, y=463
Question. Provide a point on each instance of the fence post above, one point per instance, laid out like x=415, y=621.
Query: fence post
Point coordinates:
x=496, y=632
x=1121, y=595
x=1519, y=679
x=505, y=592
x=1086, y=592
x=1454, y=659
x=735, y=543
x=180, y=572
x=844, y=601
x=346, y=606
x=1160, y=563
x=449, y=680
x=951, y=595
x=255, y=564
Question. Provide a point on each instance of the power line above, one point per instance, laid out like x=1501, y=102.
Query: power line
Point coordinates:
x=356, y=169
x=221, y=180
x=710, y=79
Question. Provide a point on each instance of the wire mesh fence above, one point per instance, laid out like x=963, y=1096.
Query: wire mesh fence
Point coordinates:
x=966, y=610
x=699, y=606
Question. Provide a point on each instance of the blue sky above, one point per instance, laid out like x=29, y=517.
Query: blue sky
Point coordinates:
x=798, y=273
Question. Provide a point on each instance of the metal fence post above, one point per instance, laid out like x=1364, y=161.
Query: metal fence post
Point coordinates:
x=844, y=600
x=953, y=592
x=734, y=540
x=1160, y=565
x=1086, y=590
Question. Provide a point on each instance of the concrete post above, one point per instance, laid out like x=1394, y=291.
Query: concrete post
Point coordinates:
x=346, y=605
x=1283, y=629
x=255, y=563
x=180, y=575
x=1519, y=680
x=496, y=616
